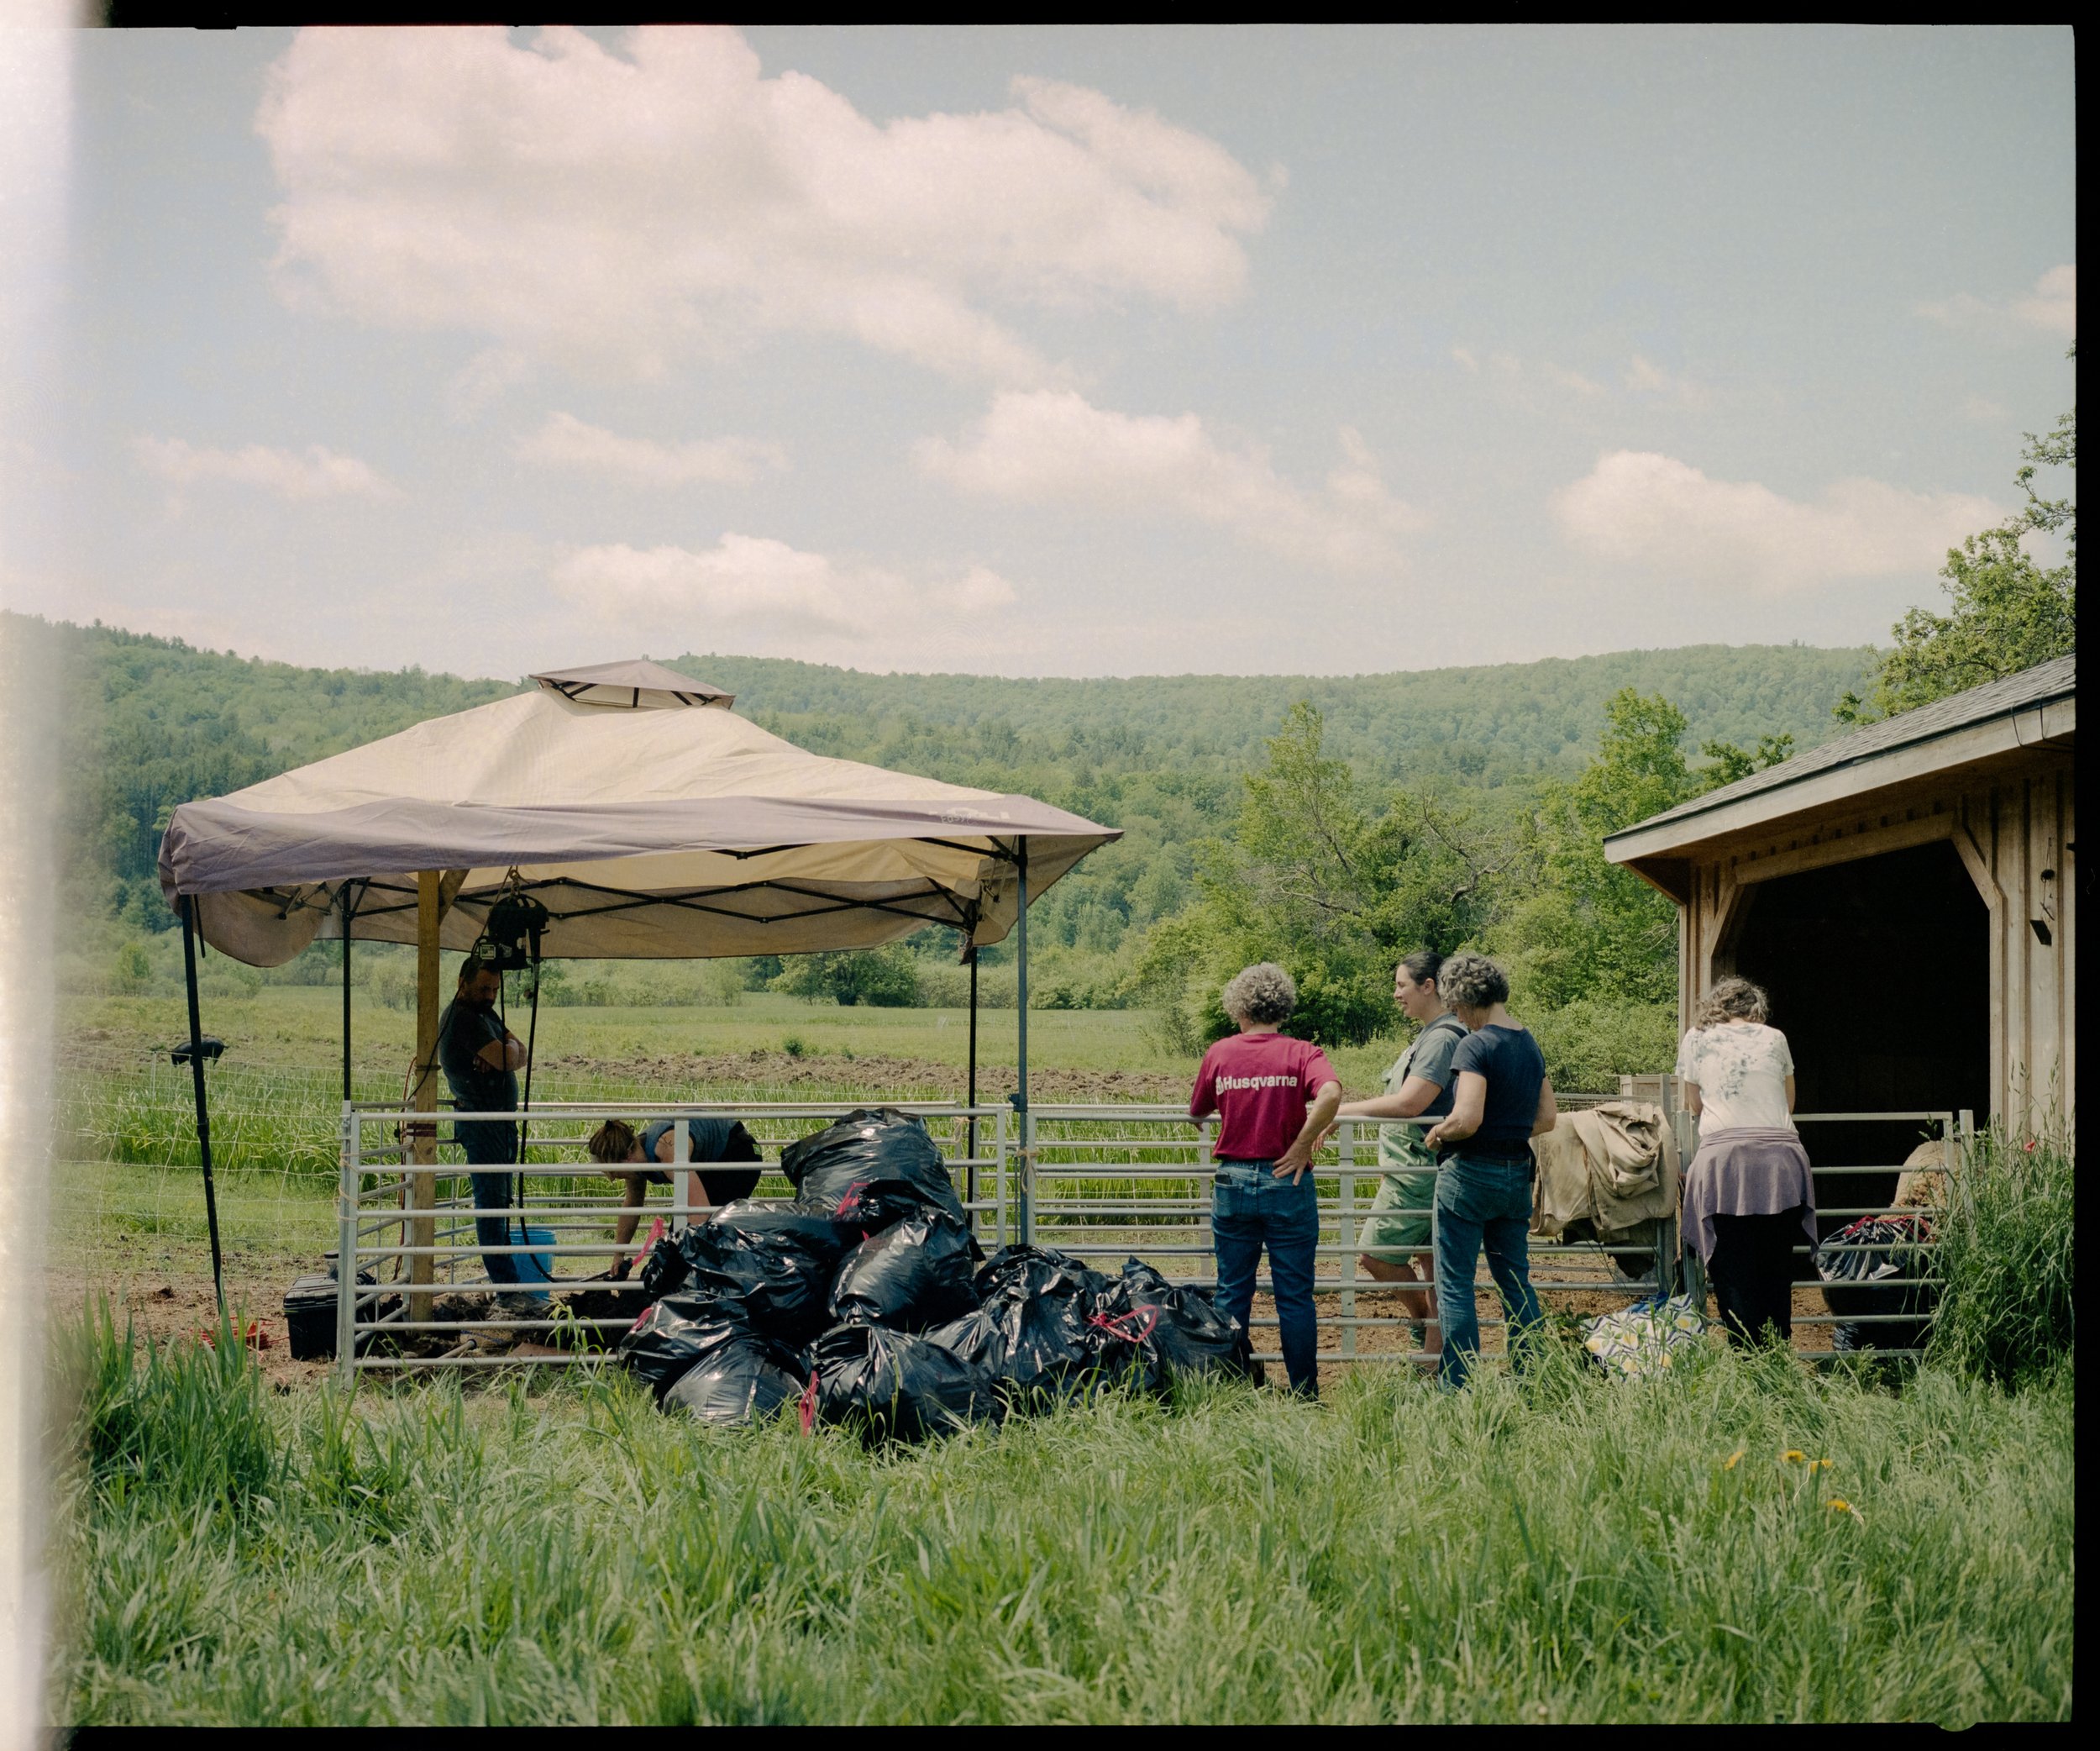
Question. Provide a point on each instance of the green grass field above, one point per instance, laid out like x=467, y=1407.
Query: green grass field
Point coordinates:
x=297, y=1029
x=238, y=1546
x=1561, y=1548
x=131, y=1207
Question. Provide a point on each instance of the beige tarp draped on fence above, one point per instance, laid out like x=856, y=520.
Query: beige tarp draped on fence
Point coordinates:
x=657, y=826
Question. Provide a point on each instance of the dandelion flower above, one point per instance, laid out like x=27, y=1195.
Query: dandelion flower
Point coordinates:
x=1729, y=1463
x=1793, y=1456
x=1839, y=1504
x=1821, y=1465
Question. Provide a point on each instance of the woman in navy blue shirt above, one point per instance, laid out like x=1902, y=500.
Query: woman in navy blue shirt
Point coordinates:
x=1501, y=1098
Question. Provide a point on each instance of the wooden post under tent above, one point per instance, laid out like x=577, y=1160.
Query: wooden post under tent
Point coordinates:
x=647, y=817
x=1907, y=893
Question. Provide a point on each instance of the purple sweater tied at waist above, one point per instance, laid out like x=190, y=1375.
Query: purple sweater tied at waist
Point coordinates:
x=1749, y=1171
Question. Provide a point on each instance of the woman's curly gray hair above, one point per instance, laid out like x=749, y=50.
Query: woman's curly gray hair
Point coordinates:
x=1472, y=981
x=1263, y=992
x=1733, y=999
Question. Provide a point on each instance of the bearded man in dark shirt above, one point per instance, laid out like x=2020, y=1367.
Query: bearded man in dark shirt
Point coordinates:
x=480, y=1059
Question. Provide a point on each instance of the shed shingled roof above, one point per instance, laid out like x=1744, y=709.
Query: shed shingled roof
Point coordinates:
x=2009, y=693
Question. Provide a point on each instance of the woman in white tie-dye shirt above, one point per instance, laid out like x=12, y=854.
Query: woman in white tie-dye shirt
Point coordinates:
x=1749, y=1197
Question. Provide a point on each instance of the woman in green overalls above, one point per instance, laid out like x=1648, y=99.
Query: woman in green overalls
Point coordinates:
x=1395, y=1241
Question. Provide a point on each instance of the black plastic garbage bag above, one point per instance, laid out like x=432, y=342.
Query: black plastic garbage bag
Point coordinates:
x=1855, y=1259
x=742, y=1380
x=1142, y=1316
x=665, y=1271
x=777, y=1264
x=913, y=1274
x=1038, y=1350
x=870, y=1168
x=1027, y=1271
x=677, y=1333
x=892, y=1385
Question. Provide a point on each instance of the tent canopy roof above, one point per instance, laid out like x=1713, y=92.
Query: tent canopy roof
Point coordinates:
x=635, y=684
x=646, y=833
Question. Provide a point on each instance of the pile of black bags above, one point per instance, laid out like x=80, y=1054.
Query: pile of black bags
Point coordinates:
x=864, y=1303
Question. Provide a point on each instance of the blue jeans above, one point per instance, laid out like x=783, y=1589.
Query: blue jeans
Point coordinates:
x=1483, y=1202
x=487, y=1143
x=1251, y=1208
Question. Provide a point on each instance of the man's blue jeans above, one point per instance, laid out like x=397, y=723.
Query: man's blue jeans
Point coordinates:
x=1250, y=1208
x=488, y=1142
x=1482, y=1202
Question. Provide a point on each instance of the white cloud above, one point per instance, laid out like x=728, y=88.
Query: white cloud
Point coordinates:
x=758, y=584
x=311, y=473
x=1051, y=446
x=1541, y=385
x=1648, y=380
x=566, y=442
x=1651, y=511
x=630, y=208
x=2050, y=308
x=482, y=381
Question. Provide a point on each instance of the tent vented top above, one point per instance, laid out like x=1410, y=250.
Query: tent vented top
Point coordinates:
x=637, y=685
x=650, y=819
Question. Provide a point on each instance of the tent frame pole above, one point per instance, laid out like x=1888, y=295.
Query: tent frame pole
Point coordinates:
x=203, y=1107
x=349, y=911
x=969, y=954
x=421, y=1191
x=1026, y=1199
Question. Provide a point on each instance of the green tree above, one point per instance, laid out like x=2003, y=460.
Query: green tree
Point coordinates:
x=1587, y=927
x=1731, y=762
x=885, y=978
x=2007, y=612
x=1329, y=880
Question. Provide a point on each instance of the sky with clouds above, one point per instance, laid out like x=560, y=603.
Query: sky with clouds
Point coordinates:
x=1070, y=351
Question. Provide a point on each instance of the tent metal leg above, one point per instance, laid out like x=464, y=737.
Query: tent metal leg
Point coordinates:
x=203, y=1107
x=348, y=913
x=1027, y=1194
x=970, y=1097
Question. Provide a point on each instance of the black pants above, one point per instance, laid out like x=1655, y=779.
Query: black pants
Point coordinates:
x=726, y=1185
x=1752, y=1273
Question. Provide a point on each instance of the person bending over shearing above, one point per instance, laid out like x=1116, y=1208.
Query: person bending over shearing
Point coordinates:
x=711, y=1141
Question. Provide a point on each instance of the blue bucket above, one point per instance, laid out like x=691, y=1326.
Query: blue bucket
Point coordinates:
x=535, y=1267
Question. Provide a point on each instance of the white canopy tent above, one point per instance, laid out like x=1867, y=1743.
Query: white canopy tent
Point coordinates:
x=647, y=819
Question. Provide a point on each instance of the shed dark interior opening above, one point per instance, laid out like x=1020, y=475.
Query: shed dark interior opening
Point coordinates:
x=1879, y=972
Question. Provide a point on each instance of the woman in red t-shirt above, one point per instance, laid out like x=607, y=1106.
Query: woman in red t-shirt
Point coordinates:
x=1273, y=1097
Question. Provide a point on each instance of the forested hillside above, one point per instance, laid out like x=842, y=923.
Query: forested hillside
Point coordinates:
x=1477, y=727
x=1162, y=757
x=1471, y=802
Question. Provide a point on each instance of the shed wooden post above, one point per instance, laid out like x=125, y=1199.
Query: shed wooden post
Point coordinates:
x=423, y=1188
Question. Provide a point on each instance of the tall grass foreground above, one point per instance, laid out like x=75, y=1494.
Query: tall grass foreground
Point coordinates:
x=2006, y=1230
x=1744, y=1542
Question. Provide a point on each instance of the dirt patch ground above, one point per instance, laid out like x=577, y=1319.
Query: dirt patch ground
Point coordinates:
x=906, y=1078
x=165, y=1306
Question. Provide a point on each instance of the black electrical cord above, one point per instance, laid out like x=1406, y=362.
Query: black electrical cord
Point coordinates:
x=532, y=1041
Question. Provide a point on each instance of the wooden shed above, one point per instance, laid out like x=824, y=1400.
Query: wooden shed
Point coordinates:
x=1906, y=895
